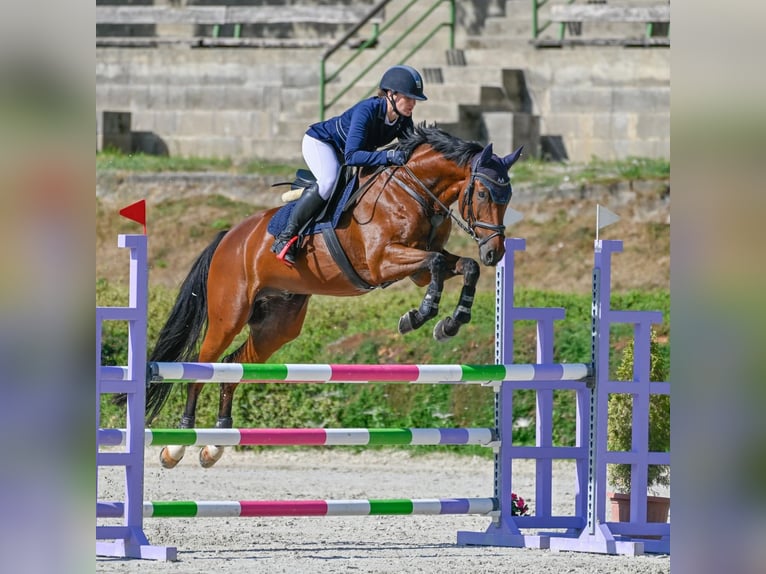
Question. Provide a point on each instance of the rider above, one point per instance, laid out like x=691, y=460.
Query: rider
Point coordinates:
x=352, y=138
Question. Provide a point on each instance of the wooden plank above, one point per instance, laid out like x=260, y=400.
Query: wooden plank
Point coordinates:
x=125, y=15
x=606, y=13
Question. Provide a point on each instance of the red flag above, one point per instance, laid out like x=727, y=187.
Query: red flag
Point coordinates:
x=136, y=212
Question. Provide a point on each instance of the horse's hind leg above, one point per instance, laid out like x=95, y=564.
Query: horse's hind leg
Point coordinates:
x=171, y=455
x=449, y=326
x=231, y=319
x=210, y=454
x=275, y=321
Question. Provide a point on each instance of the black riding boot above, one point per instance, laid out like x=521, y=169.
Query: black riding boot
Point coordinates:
x=285, y=244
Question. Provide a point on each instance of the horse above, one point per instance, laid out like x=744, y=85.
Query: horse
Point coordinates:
x=396, y=228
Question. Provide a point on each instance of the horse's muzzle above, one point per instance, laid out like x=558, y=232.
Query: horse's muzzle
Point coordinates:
x=491, y=255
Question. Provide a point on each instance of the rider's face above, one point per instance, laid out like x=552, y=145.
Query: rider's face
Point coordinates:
x=404, y=104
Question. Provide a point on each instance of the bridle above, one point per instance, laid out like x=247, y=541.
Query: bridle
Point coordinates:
x=497, y=192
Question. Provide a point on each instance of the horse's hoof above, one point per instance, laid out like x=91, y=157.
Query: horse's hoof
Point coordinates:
x=405, y=323
x=171, y=456
x=439, y=333
x=209, y=455
x=445, y=330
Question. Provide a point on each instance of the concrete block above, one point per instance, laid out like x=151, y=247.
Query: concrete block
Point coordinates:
x=568, y=125
x=232, y=123
x=196, y=123
x=260, y=123
x=300, y=75
x=112, y=72
x=211, y=146
x=137, y=96
x=583, y=100
x=176, y=96
x=653, y=148
x=237, y=98
x=162, y=122
x=650, y=99
x=272, y=150
x=614, y=125
x=653, y=126
x=507, y=131
x=292, y=130
x=158, y=97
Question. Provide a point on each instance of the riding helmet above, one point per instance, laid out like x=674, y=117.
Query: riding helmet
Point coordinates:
x=403, y=80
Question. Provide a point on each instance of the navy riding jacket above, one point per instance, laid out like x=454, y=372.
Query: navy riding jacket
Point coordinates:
x=358, y=132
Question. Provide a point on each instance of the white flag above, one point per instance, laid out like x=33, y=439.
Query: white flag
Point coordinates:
x=605, y=217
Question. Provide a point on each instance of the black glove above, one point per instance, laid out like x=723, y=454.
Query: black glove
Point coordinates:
x=396, y=157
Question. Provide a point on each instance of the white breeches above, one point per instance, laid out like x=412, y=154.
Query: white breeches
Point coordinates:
x=323, y=163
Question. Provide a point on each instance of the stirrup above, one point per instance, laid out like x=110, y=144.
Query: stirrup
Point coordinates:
x=287, y=255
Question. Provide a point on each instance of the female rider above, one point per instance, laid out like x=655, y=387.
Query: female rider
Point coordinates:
x=352, y=138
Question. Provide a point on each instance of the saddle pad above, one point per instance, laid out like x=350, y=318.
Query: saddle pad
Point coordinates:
x=332, y=215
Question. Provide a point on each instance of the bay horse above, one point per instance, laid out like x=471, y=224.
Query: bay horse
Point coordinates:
x=397, y=228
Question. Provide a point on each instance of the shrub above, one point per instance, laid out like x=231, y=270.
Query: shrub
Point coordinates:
x=620, y=427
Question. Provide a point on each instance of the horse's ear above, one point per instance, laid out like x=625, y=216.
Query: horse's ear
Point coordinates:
x=486, y=155
x=509, y=160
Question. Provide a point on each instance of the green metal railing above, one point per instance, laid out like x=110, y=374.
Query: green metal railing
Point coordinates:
x=537, y=28
x=377, y=31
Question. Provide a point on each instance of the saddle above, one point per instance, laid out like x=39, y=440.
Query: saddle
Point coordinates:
x=343, y=197
x=329, y=215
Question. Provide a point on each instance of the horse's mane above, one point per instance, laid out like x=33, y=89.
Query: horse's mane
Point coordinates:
x=451, y=147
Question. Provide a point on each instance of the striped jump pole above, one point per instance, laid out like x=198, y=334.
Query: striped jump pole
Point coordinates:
x=255, y=508
x=304, y=437
x=344, y=373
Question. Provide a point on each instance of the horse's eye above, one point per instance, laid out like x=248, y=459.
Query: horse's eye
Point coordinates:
x=482, y=195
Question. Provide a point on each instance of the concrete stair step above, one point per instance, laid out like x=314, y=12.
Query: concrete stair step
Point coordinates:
x=292, y=130
x=516, y=44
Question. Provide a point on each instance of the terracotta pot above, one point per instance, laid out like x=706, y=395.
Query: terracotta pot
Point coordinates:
x=657, y=507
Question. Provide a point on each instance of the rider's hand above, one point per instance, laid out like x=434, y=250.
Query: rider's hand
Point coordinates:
x=396, y=157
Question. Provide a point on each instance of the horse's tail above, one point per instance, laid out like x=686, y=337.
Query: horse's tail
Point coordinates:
x=187, y=321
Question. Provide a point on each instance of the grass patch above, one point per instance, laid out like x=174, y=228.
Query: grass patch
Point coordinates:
x=532, y=171
x=140, y=162
x=596, y=171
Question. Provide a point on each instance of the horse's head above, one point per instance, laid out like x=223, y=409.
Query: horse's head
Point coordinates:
x=485, y=199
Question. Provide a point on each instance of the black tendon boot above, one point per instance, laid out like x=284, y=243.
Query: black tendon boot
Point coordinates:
x=285, y=244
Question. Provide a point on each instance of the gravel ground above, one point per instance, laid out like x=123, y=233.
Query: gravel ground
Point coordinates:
x=375, y=544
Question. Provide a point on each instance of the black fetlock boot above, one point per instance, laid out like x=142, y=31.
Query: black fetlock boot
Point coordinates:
x=285, y=244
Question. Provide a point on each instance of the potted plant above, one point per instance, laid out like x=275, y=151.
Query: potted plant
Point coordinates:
x=619, y=436
x=518, y=506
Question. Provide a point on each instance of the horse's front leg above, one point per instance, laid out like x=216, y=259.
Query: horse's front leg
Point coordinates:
x=437, y=266
x=210, y=454
x=449, y=326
